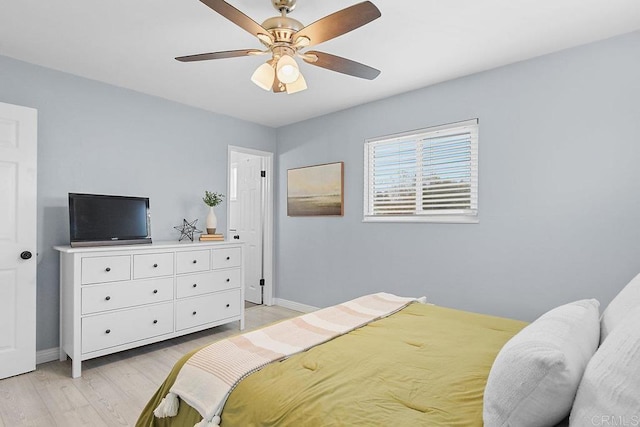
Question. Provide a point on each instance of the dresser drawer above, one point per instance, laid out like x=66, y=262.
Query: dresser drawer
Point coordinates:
x=113, y=329
x=192, y=261
x=125, y=294
x=203, y=283
x=106, y=269
x=205, y=309
x=227, y=257
x=152, y=265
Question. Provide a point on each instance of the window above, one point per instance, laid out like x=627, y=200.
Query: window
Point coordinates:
x=428, y=175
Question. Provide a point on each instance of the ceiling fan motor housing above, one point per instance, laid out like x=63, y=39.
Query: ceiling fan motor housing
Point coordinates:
x=282, y=28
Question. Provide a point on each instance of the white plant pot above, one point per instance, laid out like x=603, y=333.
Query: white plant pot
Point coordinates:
x=212, y=221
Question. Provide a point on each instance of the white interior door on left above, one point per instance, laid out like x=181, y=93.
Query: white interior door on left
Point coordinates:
x=18, y=161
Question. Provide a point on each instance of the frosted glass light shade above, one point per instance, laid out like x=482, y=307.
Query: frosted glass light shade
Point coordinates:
x=287, y=69
x=296, y=86
x=263, y=76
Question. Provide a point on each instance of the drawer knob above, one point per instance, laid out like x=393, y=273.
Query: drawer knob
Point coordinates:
x=228, y=280
x=195, y=261
x=228, y=258
x=155, y=291
x=155, y=265
x=108, y=298
x=108, y=269
x=195, y=285
x=227, y=305
x=155, y=321
x=194, y=313
x=108, y=331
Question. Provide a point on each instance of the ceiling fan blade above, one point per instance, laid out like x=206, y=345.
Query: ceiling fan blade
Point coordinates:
x=237, y=17
x=339, y=23
x=219, y=55
x=341, y=65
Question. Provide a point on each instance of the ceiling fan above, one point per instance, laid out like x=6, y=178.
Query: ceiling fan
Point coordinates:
x=285, y=38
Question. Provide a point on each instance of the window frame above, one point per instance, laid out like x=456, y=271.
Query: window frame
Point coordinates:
x=420, y=134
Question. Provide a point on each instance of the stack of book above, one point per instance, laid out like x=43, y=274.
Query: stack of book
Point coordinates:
x=211, y=238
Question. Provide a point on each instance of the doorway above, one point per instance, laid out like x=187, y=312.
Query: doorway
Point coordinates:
x=250, y=218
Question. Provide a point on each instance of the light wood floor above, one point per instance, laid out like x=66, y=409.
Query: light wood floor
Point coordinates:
x=113, y=389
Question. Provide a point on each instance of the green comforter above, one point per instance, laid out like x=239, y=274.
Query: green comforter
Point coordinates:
x=423, y=366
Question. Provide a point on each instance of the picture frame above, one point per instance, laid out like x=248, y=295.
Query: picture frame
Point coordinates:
x=316, y=190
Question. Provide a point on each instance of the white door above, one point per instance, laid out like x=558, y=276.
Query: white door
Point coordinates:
x=18, y=145
x=245, y=217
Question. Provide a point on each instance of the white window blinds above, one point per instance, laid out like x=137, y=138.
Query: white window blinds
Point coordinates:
x=425, y=175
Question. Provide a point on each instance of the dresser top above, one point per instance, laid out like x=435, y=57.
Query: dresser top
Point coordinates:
x=152, y=246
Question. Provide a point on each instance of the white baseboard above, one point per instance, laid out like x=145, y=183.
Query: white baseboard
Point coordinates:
x=48, y=355
x=292, y=305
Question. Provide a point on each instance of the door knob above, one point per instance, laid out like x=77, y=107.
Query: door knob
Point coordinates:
x=26, y=255
x=237, y=237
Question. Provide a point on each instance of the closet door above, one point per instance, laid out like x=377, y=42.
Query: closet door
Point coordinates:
x=18, y=145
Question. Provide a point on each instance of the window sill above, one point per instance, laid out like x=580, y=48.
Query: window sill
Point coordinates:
x=446, y=219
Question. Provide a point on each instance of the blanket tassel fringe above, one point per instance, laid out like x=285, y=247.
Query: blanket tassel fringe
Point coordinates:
x=215, y=422
x=168, y=407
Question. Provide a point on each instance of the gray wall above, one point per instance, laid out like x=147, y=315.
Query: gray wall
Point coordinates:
x=559, y=184
x=98, y=138
x=559, y=191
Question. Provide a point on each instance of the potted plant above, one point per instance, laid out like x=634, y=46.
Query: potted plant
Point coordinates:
x=212, y=200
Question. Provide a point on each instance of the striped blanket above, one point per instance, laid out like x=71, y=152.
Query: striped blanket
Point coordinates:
x=209, y=376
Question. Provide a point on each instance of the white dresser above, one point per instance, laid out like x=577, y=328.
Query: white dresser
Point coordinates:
x=114, y=298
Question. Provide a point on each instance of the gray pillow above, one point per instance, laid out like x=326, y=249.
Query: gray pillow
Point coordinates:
x=609, y=393
x=536, y=374
x=626, y=300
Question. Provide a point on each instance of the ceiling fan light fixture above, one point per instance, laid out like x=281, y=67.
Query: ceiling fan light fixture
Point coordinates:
x=287, y=69
x=263, y=76
x=297, y=86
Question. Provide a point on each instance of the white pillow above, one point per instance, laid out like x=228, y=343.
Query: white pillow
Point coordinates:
x=627, y=299
x=609, y=393
x=536, y=374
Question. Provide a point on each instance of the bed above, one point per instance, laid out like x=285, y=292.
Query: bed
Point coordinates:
x=423, y=365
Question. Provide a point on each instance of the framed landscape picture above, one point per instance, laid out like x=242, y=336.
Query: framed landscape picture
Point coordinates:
x=316, y=190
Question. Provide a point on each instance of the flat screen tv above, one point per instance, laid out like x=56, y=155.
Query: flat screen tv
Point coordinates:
x=96, y=219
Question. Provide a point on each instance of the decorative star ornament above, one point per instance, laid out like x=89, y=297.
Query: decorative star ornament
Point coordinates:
x=187, y=229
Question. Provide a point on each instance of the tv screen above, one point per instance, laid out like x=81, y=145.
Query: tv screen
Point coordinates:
x=96, y=219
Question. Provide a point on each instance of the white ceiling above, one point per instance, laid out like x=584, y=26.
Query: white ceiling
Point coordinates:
x=132, y=43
